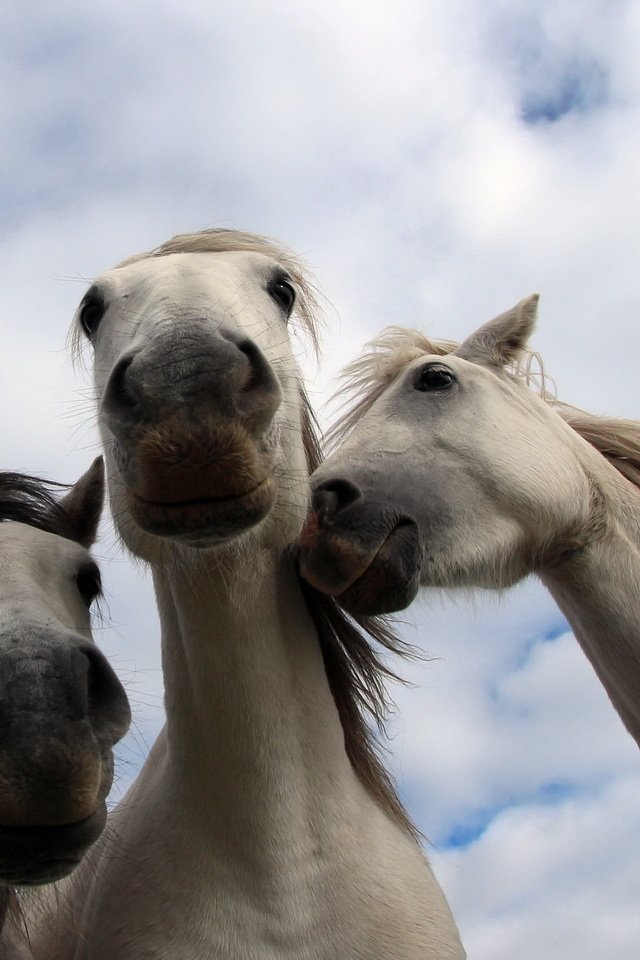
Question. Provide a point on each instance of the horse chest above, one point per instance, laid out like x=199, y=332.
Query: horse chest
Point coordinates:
x=334, y=913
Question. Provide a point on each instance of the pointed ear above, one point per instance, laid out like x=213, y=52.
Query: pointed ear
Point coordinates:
x=503, y=338
x=83, y=504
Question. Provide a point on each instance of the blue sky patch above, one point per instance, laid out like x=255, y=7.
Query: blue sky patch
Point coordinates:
x=475, y=824
x=577, y=88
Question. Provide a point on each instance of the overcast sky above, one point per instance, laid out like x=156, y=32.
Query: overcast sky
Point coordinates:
x=434, y=163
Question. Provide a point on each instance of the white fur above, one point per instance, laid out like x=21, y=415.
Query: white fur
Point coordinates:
x=502, y=487
x=247, y=835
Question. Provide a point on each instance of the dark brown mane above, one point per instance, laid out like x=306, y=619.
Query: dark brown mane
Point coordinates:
x=30, y=500
x=355, y=669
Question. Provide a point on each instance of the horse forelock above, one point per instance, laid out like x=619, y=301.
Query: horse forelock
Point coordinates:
x=307, y=308
x=219, y=240
x=29, y=500
x=382, y=360
x=386, y=356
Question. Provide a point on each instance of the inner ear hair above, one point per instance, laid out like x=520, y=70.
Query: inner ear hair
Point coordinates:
x=501, y=340
x=84, y=502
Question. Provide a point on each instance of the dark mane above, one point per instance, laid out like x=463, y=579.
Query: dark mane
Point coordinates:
x=30, y=500
x=355, y=669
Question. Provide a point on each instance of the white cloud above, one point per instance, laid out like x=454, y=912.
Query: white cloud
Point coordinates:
x=386, y=144
x=534, y=884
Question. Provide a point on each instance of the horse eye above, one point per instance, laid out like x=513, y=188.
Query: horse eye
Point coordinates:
x=89, y=583
x=433, y=377
x=283, y=293
x=91, y=313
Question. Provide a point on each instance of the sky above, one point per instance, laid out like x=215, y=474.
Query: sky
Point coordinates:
x=433, y=164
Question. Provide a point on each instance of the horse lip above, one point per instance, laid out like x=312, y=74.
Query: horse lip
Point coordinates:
x=40, y=854
x=361, y=561
x=386, y=586
x=201, y=501
x=205, y=521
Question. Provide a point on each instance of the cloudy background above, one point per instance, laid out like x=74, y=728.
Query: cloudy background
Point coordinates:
x=433, y=162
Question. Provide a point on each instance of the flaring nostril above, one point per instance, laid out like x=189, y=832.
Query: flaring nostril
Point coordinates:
x=257, y=371
x=335, y=495
x=121, y=392
x=109, y=711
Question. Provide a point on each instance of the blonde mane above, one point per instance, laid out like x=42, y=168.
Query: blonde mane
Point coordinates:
x=387, y=355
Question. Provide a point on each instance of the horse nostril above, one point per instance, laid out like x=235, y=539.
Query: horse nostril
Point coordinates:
x=109, y=711
x=258, y=372
x=334, y=496
x=121, y=393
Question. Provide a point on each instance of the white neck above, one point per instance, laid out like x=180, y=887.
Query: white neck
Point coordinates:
x=247, y=834
x=254, y=741
x=598, y=590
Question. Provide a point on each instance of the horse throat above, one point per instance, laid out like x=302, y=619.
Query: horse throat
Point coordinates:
x=255, y=748
x=597, y=589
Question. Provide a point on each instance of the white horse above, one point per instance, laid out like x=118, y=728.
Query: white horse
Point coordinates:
x=62, y=708
x=263, y=826
x=452, y=472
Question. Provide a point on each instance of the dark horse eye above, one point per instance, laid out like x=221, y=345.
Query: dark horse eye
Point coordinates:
x=283, y=293
x=91, y=313
x=89, y=583
x=433, y=376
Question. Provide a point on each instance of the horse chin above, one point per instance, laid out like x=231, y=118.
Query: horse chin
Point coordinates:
x=41, y=854
x=366, y=580
x=205, y=521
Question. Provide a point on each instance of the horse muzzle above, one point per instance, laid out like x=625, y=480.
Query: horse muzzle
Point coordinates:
x=360, y=551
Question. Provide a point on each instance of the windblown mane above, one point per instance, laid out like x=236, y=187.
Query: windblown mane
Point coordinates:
x=350, y=648
x=387, y=355
x=355, y=669
x=29, y=500
x=218, y=240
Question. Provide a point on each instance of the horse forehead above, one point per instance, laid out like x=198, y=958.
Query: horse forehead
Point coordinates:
x=185, y=274
x=24, y=547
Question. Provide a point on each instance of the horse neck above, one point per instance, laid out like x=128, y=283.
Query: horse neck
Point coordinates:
x=598, y=587
x=254, y=741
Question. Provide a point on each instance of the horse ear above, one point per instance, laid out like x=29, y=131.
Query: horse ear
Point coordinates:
x=501, y=340
x=84, y=502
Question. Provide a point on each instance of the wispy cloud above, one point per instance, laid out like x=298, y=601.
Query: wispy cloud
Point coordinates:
x=434, y=163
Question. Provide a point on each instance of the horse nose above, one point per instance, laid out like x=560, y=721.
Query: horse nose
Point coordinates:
x=61, y=711
x=108, y=708
x=193, y=368
x=62, y=680
x=333, y=496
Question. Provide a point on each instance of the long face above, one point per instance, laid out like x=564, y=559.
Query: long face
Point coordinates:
x=456, y=476
x=61, y=707
x=198, y=400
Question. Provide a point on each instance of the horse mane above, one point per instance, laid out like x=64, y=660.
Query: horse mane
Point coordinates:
x=355, y=669
x=387, y=355
x=30, y=500
x=618, y=440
